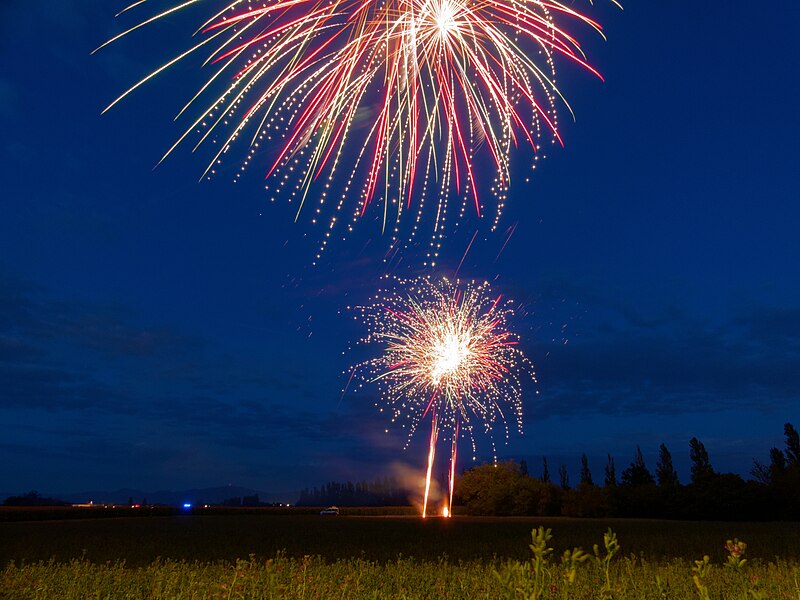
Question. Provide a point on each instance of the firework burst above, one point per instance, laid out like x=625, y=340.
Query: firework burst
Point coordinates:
x=446, y=353
x=400, y=96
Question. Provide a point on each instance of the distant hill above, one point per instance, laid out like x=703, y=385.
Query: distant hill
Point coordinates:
x=213, y=495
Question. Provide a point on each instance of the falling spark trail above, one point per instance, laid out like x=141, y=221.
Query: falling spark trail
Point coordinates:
x=344, y=391
x=510, y=231
x=455, y=275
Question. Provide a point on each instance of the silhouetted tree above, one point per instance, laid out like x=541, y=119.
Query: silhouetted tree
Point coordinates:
x=701, y=465
x=523, y=467
x=777, y=464
x=666, y=474
x=545, y=470
x=637, y=473
x=760, y=472
x=501, y=489
x=586, y=474
x=611, y=473
x=769, y=474
x=586, y=500
x=792, y=444
x=563, y=476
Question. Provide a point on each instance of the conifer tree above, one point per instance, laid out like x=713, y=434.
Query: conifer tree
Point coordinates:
x=665, y=471
x=611, y=473
x=792, y=444
x=702, y=470
x=586, y=474
x=564, y=476
x=637, y=473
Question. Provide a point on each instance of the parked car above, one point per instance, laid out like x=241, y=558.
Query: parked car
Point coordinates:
x=331, y=510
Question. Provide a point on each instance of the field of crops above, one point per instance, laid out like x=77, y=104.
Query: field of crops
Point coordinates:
x=307, y=556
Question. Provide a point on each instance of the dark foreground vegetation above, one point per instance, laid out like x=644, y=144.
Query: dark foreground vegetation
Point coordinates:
x=604, y=570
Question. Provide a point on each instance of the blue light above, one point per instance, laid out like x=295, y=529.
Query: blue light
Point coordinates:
x=187, y=505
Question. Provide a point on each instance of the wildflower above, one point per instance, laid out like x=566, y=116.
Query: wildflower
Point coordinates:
x=735, y=550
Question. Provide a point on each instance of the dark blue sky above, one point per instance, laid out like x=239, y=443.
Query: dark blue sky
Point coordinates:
x=156, y=332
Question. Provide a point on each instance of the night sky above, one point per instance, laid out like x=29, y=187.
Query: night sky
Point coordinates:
x=160, y=333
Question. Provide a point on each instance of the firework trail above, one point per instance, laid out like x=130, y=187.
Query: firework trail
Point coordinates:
x=446, y=353
x=403, y=97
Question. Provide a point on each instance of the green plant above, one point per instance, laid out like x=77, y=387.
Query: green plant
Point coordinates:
x=701, y=570
x=663, y=588
x=604, y=562
x=541, y=556
x=570, y=561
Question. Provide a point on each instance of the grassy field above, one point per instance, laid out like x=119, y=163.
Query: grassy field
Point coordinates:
x=271, y=555
x=628, y=579
x=61, y=513
x=139, y=541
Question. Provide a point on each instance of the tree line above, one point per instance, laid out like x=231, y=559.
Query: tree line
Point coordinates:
x=507, y=488
x=33, y=498
x=380, y=492
x=773, y=493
